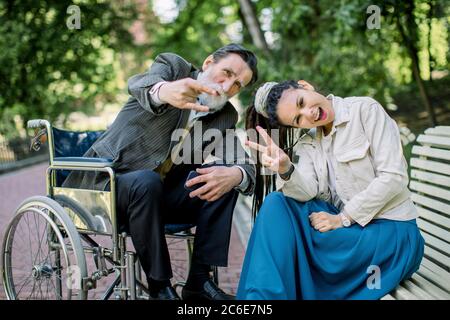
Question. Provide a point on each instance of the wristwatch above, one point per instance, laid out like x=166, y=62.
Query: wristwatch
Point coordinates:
x=287, y=175
x=345, y=221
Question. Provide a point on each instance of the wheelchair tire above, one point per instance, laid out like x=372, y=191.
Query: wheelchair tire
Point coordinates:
x=42, y=257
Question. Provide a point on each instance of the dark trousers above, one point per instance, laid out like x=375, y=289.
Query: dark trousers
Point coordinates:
x=145, y=204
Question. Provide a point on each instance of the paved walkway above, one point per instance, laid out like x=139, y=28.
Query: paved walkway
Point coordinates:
x=18, y=185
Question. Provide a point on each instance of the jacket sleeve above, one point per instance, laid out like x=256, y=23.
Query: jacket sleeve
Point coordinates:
x=303, y=184
x=166, y=67
x=390, y=166
x=243, y=160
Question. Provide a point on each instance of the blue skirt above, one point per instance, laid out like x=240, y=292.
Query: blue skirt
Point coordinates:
x=287, y=258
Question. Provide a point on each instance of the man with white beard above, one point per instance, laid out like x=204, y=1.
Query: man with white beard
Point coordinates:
x=152, y=190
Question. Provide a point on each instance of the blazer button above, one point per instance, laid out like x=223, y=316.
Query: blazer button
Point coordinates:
x=157, y=162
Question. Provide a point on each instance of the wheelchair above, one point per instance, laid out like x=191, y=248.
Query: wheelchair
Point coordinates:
x=67, y=244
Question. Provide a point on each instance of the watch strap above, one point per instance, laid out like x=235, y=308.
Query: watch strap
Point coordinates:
x=287, y=175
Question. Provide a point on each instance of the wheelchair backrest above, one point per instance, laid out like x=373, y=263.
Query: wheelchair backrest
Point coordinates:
x=71, y=144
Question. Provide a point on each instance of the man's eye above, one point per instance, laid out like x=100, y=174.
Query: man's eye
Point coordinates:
x=227, y=73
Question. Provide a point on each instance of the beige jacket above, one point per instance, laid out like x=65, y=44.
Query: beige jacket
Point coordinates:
x=371, y=172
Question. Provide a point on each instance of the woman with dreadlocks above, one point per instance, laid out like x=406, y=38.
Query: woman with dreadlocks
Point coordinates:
x=342, y=224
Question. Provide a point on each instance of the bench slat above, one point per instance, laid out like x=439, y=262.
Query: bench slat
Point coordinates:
x=430, y=190
x=388, y=297
x=416, y=290
x=431, y=152
x=434, y=230
x=439, y=131
x=431, y=140
x=432, y=272
x=434, y=178
x=429, y=165
x=433, y=217
x=436, y=243
x=401, y=293
x=433, y=278
x=440, y=259
x=428, y=286
x=430, y=203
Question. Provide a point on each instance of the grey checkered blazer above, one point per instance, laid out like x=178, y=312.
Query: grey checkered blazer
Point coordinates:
x=140, y=136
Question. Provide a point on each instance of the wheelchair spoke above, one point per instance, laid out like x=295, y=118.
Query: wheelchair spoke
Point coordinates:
x=25, y=282
x=29, y=238
x=40, y=288
x=32, y=290
x=37, y=230
x=44, y=231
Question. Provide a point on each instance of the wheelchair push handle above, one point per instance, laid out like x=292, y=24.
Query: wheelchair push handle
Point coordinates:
x=40, y=127
x=37, y=123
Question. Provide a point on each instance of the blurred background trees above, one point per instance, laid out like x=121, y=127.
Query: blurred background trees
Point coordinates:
x=50, y=71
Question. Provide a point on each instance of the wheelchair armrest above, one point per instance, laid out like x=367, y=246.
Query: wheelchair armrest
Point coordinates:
x=83, y=162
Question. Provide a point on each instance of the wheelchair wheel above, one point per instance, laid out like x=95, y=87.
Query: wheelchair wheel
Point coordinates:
x=42, y=256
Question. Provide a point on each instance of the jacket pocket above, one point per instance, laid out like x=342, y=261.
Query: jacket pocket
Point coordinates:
x=356, y=149
x=355, y=170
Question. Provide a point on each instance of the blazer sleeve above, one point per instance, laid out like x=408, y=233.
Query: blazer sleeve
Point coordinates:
x=243, y=160
x=166, y=67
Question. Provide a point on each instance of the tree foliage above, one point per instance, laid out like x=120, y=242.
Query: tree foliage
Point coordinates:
x=49, y=70
x=328, y=43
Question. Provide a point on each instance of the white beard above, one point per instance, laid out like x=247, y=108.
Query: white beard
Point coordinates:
x=214, y=103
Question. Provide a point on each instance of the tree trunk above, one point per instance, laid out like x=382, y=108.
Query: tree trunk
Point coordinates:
x=430, y=23
x=411, y=42
x=423, y=93
x=246, y=36
x=254, y=28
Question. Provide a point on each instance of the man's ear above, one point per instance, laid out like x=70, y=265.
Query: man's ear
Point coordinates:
x=208, y=61
x=306, y=85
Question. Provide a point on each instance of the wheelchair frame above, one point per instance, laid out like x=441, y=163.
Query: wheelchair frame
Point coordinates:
x=128, y=282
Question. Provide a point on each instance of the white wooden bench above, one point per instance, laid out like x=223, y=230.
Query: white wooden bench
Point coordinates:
x=430, y=185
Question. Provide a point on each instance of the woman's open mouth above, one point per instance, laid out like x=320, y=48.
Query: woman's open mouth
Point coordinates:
x=321, y=115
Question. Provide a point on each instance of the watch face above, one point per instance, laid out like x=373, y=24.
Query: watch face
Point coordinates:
x=345, y=221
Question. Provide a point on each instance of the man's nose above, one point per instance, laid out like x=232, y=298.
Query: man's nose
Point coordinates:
x=227, y=85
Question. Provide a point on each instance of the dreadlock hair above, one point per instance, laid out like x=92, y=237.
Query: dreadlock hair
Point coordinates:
x=267, y=183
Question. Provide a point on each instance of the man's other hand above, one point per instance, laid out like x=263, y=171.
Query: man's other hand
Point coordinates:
x=218, y=181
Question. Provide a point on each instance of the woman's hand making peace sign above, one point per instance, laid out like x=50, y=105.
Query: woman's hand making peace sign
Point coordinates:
x=272, y=157
x=277, y=160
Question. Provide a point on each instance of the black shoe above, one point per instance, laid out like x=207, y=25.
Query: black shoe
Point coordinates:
x=210, y=292
x=166, y=293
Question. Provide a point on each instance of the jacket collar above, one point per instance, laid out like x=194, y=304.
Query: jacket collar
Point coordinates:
x=341, y=112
